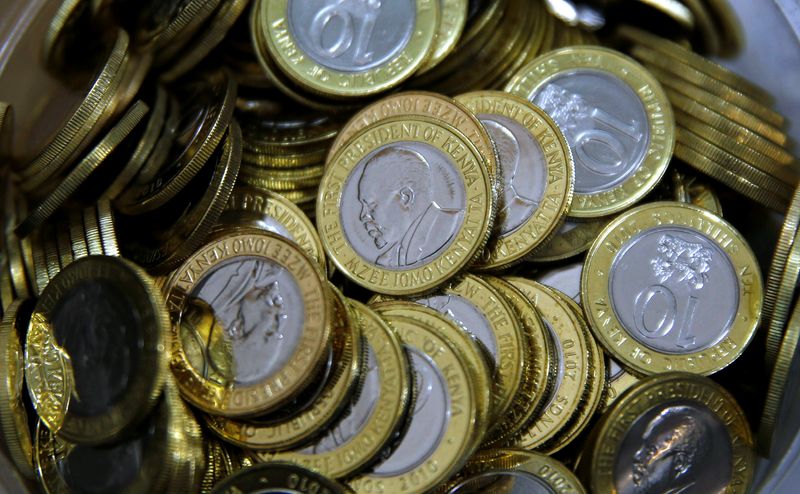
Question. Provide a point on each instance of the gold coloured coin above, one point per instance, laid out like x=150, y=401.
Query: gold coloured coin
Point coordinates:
x=6, y=125
x=76, y=236
x=10, y=244
x=615, y=117
x=13, y=415
x=405, y=205
x=537, y=174
x=91, y=231
x=451, y=25
x=690, y=189
x=278, y=476
x=238, y=298
x=292, y=428
x=380, y=46
x=695, y=306
x=571, y=239
x=667, y=418
x=108, y=234
x=94, y=309
x=441, y=432
x=365, y=432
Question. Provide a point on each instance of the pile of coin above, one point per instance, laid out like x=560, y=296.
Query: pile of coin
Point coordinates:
x=369, y=246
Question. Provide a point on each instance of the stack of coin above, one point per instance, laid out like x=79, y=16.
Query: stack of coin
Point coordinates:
x=725, y=127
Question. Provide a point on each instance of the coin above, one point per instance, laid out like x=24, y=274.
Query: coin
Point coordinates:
x=6, y=127
x=572, y=238
x=366, y=431
x=615, y=116
x=105, y=221
x=157, y=25
x=294, y=426
x=405, y=205
x=666, y=433
x=238, y=298
x=508, y=471
x=10, y=244
x=451, y=25
x=13, y=413
x=91, y=231
x=537, y=173
x=378, y=44
x=105, y=312
x=76, y=236
x=695, y=306
x=278, y=477
x=440, y=434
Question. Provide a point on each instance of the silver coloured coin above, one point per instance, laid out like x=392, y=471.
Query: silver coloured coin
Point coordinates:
x=674, y=290
x=428, y=420
x=259, y=316
x=467, y=317
x=524, y=171
x=352, y=35
x=403, y=205
x=680, y=447
x=503, y=481
x=604, y=122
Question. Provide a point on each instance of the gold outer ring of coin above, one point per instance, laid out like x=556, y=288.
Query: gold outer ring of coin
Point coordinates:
x=508, y=248
x=648, y=394
x=91, y=230
x=610, y=331
x=292, y=430
x=105, y=221
x=467, y=241
x=251, y=207
x=388, y=412
x=279, y=476
x=540, y=374
x=235, y=400
x=144, y=386
x=692, y=190
x=6, y=128
x=571, y=239
x=551, y=431
x=13, y=415
x=512, y=357
x=547, y=470
x=660, y=120
x=458, y=439
x=415, y=103
x=185, y=448
x=284, y=48
x=451, y=26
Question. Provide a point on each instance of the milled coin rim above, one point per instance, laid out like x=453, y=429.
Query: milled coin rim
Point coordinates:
x=473, y=233
x=609, y=330
x=660, y=120
x=649, y=393
x=235, y=400
x=453, y=20
x=341, y=84
x=278, y=476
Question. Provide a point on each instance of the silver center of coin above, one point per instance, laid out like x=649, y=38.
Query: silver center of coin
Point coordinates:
x=503, y=481
x=558, y=345
x=352, y=35
x=356, y=418
x=524, y=171
x=676, y=448
x=402, y=205
x=566, y=279
x=604, y=122
x=428, y=420
x=103, y=469
x=466, y=316
x=674, y=290
x=258, y=319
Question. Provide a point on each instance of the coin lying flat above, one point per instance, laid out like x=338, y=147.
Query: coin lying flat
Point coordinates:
x=351, y=48
x=405, y=205
x=615, y=117
x=251, y=323
x=440, y=435
x=107, y=317
x=511, y=471
x=537, y=174
x=280, y=477
x=365, y=432
x=670, y=286
x=675, y=432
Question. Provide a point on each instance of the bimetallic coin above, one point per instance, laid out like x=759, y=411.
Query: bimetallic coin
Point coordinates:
x=439, y=437
x=13, y=415
x=366, y=431
x=349, y=48
x=668, y=433
x=451, y=25
x=537, y=174
x=405, y=205
x=571, y=239
x=515, y=471
x=615, y=117
x=6, y=127
x=101, y=325
x=670, y=286
x=278, y=477
x=251, y=324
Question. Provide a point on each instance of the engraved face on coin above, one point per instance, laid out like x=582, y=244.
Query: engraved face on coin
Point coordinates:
x=410, y=205
x=466, y=316
x=671, y=448
x=352, y=35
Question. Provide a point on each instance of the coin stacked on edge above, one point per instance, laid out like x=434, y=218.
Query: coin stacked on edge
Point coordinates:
x=314, y=247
